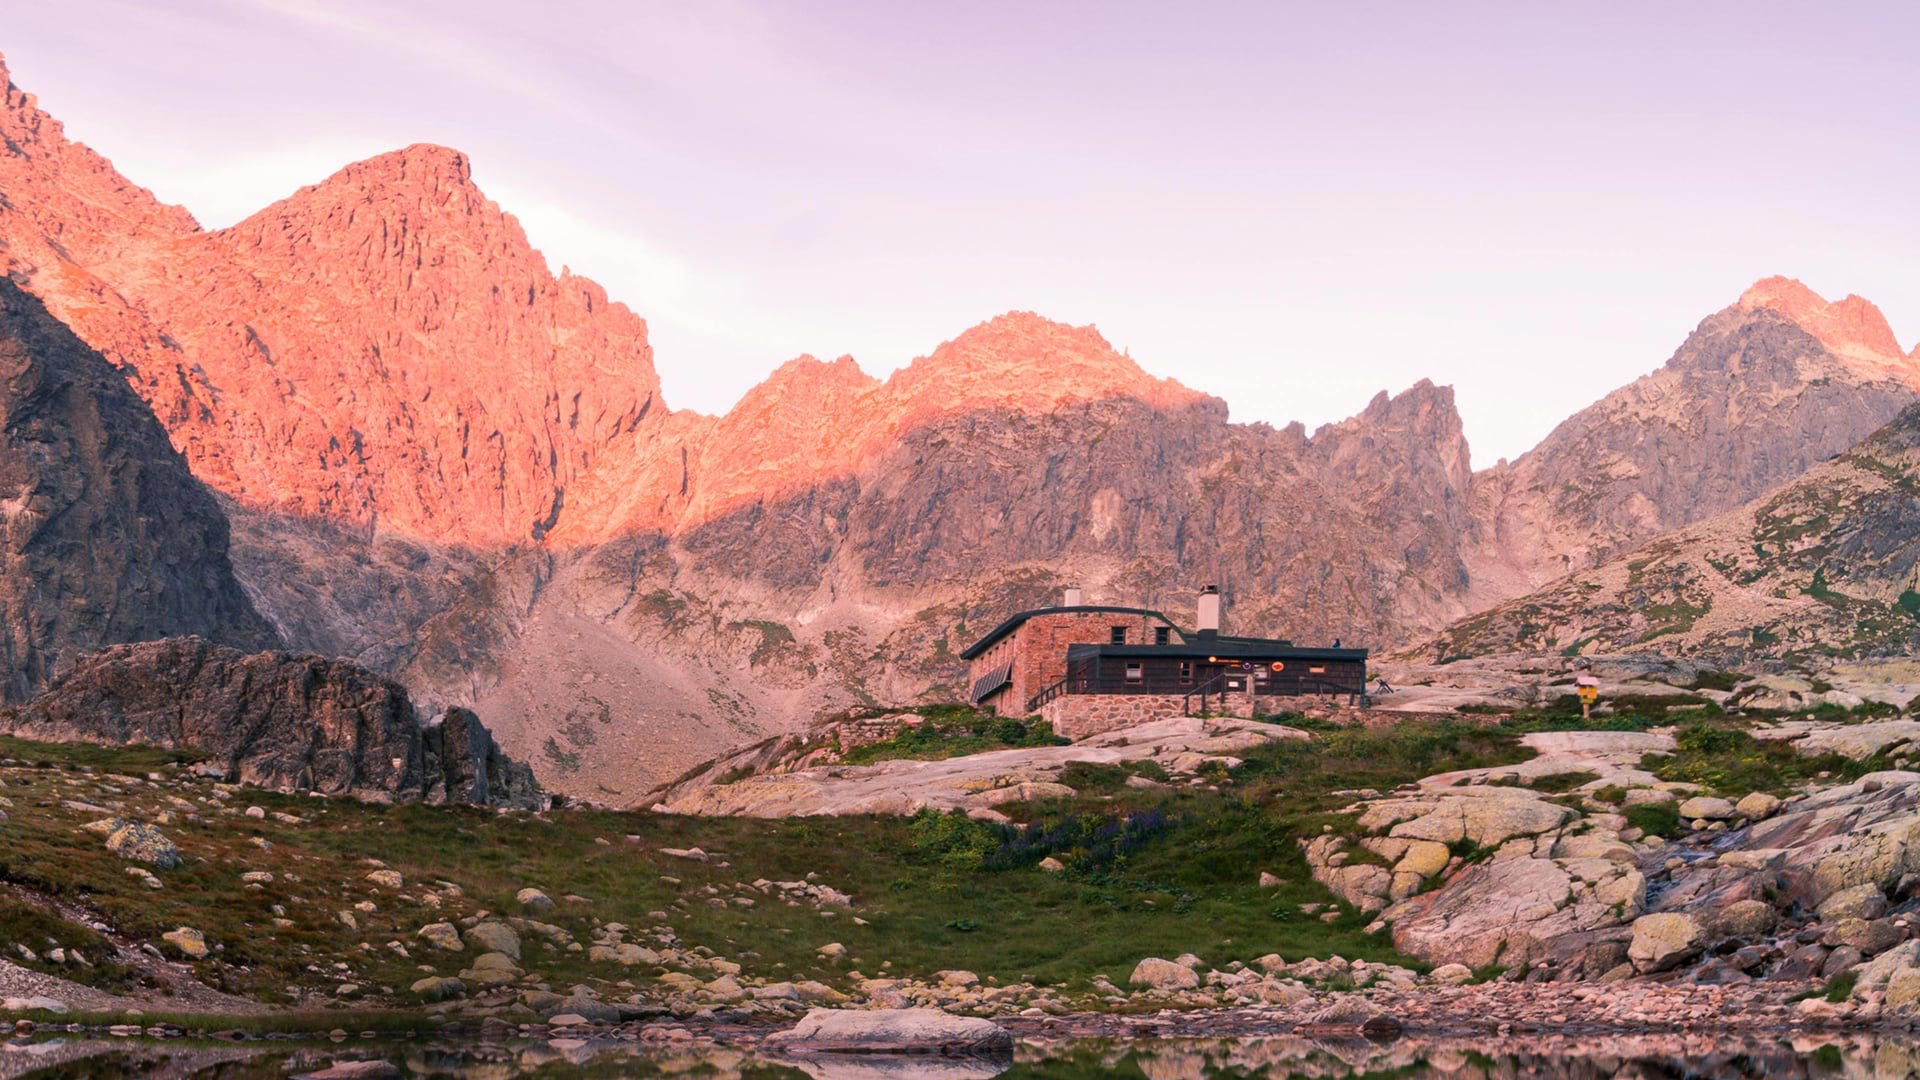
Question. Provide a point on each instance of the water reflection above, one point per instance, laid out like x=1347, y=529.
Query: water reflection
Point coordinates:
x=1856, y=1057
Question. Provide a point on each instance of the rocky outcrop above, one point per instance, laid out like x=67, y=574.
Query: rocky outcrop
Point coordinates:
x=1828, y=563
x=796, y=776
x=1562, y=887
x=105, y=536
x=299, y=723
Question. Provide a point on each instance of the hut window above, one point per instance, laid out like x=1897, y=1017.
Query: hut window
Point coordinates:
x=1186, y=671
x=1161, y=635
x=1119, y=635
x=1133, y=672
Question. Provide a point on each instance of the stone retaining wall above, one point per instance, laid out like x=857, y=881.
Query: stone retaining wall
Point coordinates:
x=1079, y=715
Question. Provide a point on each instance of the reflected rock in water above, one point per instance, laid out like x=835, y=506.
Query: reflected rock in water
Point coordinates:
x=896, y=1066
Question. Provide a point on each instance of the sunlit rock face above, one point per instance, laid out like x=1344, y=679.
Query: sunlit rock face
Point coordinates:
x=446, y=461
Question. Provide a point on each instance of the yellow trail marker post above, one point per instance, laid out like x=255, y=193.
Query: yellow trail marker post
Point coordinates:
x=1588, y=688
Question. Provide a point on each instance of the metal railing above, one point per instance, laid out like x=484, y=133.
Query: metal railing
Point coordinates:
x=1036, y=701
x=1215, y=685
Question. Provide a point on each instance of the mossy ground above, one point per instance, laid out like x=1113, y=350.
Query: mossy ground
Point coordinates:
x=1153, y=869
x=1188, y=885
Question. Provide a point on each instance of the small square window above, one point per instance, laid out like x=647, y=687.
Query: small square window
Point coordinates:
x=1186, y=671
x=1162, y=635
x=1133, y=672
x=1119, y=635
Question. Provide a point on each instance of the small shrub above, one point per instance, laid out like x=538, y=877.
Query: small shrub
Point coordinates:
x=1709, y=679
x=954, y=840
x=733, y=775
x=1655, y=819
x=1470, y=851
x=1559, y=783
x=1085, y=842
x=956, y=731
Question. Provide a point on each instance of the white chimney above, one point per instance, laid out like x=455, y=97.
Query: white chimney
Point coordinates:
x=1207, y=618
x=1074, y=597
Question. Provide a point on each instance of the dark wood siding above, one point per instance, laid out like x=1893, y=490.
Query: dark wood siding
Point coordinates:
x=1172, y=675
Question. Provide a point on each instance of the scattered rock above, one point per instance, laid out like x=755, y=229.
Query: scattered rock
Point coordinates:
x=533, y=900
x=441, y=935
x=35, y=1003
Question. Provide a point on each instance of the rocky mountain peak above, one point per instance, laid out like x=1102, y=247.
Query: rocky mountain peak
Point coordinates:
x=394, y=350
x=1853, y=329
x=1024, y=361
x=61, y=201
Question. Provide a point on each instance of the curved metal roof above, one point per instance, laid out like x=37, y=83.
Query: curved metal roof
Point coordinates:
x=1013, y=623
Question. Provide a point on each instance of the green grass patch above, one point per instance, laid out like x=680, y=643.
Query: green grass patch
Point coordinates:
x=955, y=731
x=1560, y=783
x=1710, y=679
x=1094, y=778
x=89, y=957
x=1729, y=761
x=129, y=760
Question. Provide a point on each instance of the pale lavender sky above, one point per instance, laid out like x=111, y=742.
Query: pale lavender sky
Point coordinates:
x=1288, y=205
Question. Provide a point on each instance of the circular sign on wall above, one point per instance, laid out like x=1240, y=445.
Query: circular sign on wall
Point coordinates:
x=1279, y=665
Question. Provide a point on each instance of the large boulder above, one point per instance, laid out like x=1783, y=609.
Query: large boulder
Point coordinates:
x=1516, y=910
x=1707, y=808
x=1157, y=974
x=1483, y=817
x=139, y=842
x=1856, y=902
x=915, y=1031
x=494, y=937
x=1664, y=940
x=305, y=723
